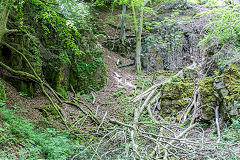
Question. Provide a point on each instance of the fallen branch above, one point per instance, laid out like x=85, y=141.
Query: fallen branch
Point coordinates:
x=189, y=107
x=93, y=117
x=217, y=123
x=121, y=123
x=178, y=137
x=168, y=80
x=105, y=115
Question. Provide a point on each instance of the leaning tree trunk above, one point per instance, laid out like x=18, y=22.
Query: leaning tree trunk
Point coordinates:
x=5, y=8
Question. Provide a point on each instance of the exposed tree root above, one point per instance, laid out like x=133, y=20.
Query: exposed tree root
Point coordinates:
x=35, y=78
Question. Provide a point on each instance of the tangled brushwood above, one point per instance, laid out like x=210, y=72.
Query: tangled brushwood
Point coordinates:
x=149, y=136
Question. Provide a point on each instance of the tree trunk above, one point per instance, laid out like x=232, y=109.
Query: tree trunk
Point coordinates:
x=138, y=32
x=134, y=18
x=123, y=27
x=139, y=46
x=5, y=8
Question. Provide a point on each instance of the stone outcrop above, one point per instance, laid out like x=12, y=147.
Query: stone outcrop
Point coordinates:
x=171, y=38
x=221, y=90
x=52, y=59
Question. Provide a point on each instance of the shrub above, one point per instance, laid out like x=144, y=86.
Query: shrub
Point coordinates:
x=34, y=142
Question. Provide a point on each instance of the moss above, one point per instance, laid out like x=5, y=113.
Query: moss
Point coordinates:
x=183, y=102
x=207, y=91
x=175, y=96
x=177, y=90
x=2, y=92
x=232, y=82
x=27, y=88
x=208, y=111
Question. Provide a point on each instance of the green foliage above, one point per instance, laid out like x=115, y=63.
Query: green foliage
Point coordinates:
x=169, y=38
x=89, y=72
x=37, y=142
x=22, y=94
x=66, y=32
x=212, y=3
x=232, y=133
x=65, y=20
x=2, y=103
x=103, y=2
x=2, y=92
x=61, y=26
x=118, y=93
x=223, y=27
x=88, y=97
x=143, y=82
x=90, y=67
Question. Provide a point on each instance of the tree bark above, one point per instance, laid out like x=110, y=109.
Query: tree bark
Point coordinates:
x=123, y=26
x=5, y=8
x=139, y=46
x=138, y=32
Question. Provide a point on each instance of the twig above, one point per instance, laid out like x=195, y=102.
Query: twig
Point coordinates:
x=76, y=122
x=145, y=93
x=96, y=110
x=195, y=108
x=94, y=99
x=73, y=91
x=94, y=118
x=120, y=123
x=178, y=137
x=217, y=123
x=135, y=146
x=188, y=109
x=105, y=115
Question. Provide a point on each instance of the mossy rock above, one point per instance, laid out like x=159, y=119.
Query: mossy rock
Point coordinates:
x=88, y=72
x=15, y=61
x=2, y=92
x=22, y=85
x=207, y=91
x=177, y=90
x=57, y=75
x=208, y=112
x=52, y=59
x=232, y=83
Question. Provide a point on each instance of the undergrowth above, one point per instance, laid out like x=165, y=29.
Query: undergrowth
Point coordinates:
x=20, y=139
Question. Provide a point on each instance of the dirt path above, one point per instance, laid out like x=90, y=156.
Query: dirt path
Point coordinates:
x=118, y=80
